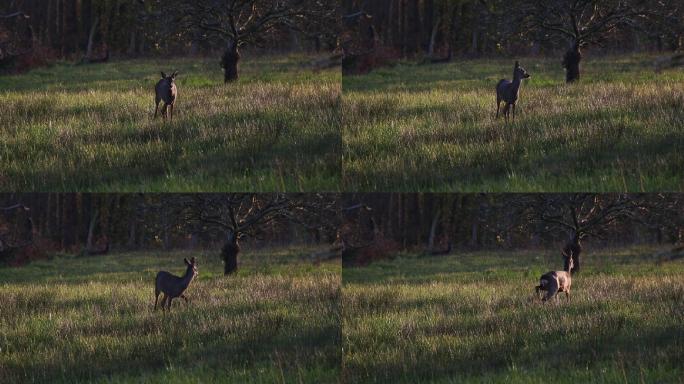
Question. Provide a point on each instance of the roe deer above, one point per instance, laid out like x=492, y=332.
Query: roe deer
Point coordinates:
x=556, y=281
x=173, y=286
x=165, y=91
x=508, y=91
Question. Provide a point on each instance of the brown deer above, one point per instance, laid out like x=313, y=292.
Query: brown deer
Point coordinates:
x=556, y=281
x=508, y=91
x=173, y=286
x=165, y=91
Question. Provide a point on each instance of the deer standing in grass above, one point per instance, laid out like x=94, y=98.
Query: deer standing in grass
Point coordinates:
x=165, y=91
x=556, y=281
x=508, y=91
x=173, y=286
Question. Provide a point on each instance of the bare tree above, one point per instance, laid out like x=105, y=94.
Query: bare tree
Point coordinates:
x=582, y=23
x=247, y=215
x=582, y=215
x=241, y=22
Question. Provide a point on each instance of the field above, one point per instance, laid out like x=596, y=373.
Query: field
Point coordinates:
x=473, y=318
x=432, y=128
x=91, y=320
x=90, y=128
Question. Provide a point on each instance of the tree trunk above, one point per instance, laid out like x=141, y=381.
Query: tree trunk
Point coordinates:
x=571, y=63
x=229, y=254
x=230, y=60
x=132, y=44
x=69, y=221
x=433, y=231
x=91, y=230
x=433, y=39
x=131, y=233
x=166, y=230
x=573, y=248
x=473, y=233
x=91, y=39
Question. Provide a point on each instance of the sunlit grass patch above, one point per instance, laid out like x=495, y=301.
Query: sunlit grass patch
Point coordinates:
x=433, y=128
x=91, y=319
x=90, y=128
x=473, y=317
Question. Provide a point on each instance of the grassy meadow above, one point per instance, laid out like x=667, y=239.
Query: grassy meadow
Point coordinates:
x=432, y=128
x=474, y=318
x=90, y=128
x=91, y=319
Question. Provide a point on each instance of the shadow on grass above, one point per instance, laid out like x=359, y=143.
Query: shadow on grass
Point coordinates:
x=549, y=158
x=553, y=350
x=158, y=151
x=268, y=345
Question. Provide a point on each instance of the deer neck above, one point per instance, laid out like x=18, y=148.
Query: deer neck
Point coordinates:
x=187, y=278
x=515, y=85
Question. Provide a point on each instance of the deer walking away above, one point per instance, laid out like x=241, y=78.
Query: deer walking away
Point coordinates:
x=508, y=91
x=554, y=282
x=173, y=286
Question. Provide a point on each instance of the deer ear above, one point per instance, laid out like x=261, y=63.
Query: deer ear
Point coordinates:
x=175, y=73
x=163, y=75
x=186, y=261
x=192, y=260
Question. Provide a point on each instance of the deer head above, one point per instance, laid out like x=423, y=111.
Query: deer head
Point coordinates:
x=192, y=266
x=520, y=72
x=171, y=78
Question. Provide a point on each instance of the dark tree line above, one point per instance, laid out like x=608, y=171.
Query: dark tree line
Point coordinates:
x=92, y=224
x=440, y=223
x=440, y=29
x=357, y=225
x=90, y=29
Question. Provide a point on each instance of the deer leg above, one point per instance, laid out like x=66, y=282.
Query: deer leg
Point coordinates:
x=184, y=298
x=165, y=110
x=171, y=112
x=163, y=303
x=156, y=108
x=498, y=105
x=513, y=107
x=170, y=299
x=156, y=299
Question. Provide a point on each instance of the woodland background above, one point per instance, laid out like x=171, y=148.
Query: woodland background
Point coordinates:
x=36, y=31
x=440, y=29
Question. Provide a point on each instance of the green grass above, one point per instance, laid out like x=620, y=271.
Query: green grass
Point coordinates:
x=432, y=128
x=90, y=128
x=91, y=320
x=473, y=318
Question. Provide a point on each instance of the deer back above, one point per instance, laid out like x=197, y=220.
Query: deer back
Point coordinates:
x=170, y=284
